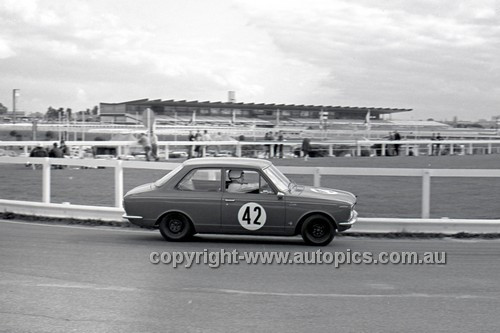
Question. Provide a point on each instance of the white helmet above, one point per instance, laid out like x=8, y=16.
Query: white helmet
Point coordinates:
x=235, y=174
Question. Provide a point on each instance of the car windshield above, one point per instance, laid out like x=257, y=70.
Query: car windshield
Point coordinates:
x=278, y=178
x=166, y=178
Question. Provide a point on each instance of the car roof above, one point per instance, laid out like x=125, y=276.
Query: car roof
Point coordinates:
x=228, y=162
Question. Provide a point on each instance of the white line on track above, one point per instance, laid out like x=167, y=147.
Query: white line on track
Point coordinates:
x=262, y=293
x=78, y=227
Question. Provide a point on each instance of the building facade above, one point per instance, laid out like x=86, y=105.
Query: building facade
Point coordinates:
x=196, y=112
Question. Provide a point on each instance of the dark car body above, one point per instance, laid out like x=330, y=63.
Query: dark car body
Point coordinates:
x=196, y=195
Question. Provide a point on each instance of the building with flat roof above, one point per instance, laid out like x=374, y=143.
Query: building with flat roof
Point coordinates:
x=232, y=113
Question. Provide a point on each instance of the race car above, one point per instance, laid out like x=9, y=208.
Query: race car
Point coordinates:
x=228, y=195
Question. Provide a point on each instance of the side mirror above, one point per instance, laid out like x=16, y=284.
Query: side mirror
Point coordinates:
x=280, y=195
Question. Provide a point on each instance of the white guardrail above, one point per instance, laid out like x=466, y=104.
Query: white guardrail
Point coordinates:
x=422, y=224
x=407, y=147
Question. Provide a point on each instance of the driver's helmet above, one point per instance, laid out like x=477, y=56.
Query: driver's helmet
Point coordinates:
x=235, y=174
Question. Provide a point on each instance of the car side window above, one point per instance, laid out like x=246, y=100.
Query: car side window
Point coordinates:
x=201, y=180
x=246, y=181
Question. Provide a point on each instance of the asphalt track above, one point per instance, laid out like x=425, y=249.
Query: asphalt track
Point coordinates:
x=60, y=278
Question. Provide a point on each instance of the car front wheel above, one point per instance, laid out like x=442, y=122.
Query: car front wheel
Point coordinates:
x=317, y=230
x=175, y=227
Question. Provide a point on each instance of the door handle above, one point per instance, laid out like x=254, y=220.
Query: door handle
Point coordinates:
x=229, y=200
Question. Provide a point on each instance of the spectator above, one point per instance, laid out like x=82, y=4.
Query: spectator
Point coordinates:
x=218, y=137
x=205, y=137
x=154, y=146
x=280, y=147
x=56, y=152
x=388, y=148
x=197, y=149
x=438, y=146
x=306, y=148
x=38, y=151
x=396, y=136
x=267, y=152
x=276, y=146
x=64, y=148
x=433, y=145
x=271, y=148
x=191, y=137
x=146, y=145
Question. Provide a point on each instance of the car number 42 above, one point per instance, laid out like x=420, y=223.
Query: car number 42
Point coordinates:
x=252, y=216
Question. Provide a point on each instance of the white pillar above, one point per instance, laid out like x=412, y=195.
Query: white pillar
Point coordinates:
x=46, y=180
x=118, y=184
x=426, y=194
x=317, y=177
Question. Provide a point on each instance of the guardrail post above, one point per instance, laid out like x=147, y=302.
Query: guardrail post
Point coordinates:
x=238, y=149
x=426, y=193
x=452, y=151
x=118, y=183
x=358, y=149
x=317, y=177
x=167, y=151
x=471, y=150
x=46, y=180
x=489, y=148
x=330, y=150
x=383, y=150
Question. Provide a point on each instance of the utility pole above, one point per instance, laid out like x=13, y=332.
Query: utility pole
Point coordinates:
x=15, y=94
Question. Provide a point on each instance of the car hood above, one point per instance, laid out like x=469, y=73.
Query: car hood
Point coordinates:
x=141, y=189
x=324, y=193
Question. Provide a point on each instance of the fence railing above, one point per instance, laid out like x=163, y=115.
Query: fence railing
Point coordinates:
x=317, y=172
x=330, y=148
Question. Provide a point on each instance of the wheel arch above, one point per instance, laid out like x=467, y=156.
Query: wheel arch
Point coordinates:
x=175, y=211
x=304, y=217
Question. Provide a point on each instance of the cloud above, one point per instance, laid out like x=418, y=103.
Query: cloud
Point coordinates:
x=5, y=49
x=435, y=57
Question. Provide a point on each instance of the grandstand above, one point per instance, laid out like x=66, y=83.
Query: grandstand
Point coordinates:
x=171, y=112
x=254, y=120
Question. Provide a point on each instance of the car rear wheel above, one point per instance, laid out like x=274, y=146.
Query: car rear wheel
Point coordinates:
x=175, y=227
x=317, y=230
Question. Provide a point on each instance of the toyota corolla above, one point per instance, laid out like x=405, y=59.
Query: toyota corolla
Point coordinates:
x=238, y=196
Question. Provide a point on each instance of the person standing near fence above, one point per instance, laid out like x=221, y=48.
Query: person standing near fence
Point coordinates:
x=267, y=152
x=38, y=151
x=280, y=147
x=64, y=148
x=197, y=149
x=397, y=137
x=438, y=146
x=306, y=148
x=146, y=145
x=206, y=137
x=154, y=146
x=191, y=138
x=56, y=152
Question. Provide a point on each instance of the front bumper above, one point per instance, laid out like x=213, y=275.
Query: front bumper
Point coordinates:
x=342, y=226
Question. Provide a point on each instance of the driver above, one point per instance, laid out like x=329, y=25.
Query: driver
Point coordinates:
x=238, y=185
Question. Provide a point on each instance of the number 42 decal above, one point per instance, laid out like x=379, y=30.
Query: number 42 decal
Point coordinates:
x=252, y=216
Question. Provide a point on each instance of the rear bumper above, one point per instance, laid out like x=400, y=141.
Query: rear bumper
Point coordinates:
x=133, y=217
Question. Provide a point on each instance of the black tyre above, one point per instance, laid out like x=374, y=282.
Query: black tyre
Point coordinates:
x=175, y=227
x=317, y=230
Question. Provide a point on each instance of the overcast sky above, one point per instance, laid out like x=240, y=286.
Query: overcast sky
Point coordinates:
x=440, y=58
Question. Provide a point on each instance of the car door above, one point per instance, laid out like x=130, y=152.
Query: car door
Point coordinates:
x=199, y=195
x=259, y=211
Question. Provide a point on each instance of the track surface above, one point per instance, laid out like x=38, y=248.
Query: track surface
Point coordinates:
x=56, y=278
